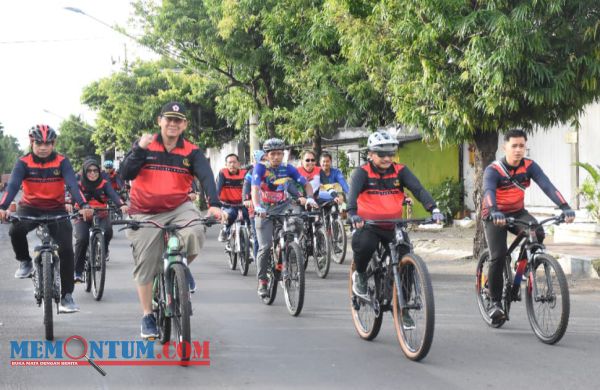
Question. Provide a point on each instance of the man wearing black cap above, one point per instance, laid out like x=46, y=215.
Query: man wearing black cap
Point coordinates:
x=162, y=167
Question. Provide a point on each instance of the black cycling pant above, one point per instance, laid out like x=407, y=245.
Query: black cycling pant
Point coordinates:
x=82, y=239
x=60, y=231
x=496, y=240
x=365, y=241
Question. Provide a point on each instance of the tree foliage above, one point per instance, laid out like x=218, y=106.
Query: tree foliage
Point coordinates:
x=129, y=102
x=75, y=140
x=9, y=151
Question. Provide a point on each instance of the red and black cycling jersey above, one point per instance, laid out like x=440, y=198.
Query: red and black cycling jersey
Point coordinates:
x=161, y=180
x=379, y=195
x=500, y=193
x=229, y=186
x=115, y=180
x=43, y=181
x=98, y=197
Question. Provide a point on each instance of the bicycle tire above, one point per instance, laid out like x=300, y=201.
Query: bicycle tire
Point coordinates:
x=272, y=277
x=87, y=272
x=418, y=291
x=482, y=293
x=162, y=321
x=182, y=306
x=231, y=252
x=294, y=298
x=536, y=310
x=338, y=246
x=244, y=252
x=322, y=253
x=366, y=322
x=48, y=293
x=99, y=266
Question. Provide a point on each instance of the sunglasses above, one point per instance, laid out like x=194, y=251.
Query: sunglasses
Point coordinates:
x=174, y=120
x=40, y=143
x=310, y=160
x=385, y=154
x=92, y=170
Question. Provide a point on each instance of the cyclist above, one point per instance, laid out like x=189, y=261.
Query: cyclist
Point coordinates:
x=269, y=187
x=504, y=185
x=377, y=192
x=162, y=167
x=229, y=187
x=44, y=173
x=311, y=172
x=331, y=176
x=259, y=156
x=96, y=190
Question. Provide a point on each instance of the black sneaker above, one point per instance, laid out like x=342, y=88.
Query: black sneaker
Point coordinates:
x=67, y=304
x=25, y=270
x=78, y=277
x=263, y=291
x=149, y=329
x=496, y=313
x=407, y=321
x=191, y=282
x=359, y=284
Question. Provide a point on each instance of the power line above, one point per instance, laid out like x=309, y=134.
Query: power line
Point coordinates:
x=34, y=41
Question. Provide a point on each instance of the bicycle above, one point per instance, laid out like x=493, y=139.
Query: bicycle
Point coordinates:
x=402, y=285
x=286, y=257
x=314, y=242
x=170, y=290
x=336, y=232
x=46, y=274
x=95, y=261
x=547, y=287
x=239, y=243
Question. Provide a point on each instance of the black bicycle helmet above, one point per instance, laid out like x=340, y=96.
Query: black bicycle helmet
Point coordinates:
x=42, y=133
x=273, y=144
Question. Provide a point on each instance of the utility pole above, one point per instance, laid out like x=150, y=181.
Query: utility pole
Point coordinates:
x=253, y=127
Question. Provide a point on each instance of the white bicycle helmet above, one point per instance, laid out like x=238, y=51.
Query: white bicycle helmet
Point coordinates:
x=382, y=141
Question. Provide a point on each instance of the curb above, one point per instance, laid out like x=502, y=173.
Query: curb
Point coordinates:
x=576, y=266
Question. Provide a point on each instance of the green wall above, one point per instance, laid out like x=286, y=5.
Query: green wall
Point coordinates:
x=430, y=164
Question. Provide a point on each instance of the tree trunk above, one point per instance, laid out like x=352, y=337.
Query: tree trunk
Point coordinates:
x=317, y=146
x=486, y=145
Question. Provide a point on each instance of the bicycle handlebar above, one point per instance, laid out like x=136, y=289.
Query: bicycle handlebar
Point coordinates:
x=43, y=218
x=557, y=219
x=133, y=224
x=397, y=221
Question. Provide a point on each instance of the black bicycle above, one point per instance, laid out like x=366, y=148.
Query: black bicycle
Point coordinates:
x=239, y=245
x=46, y=274
x=336, y=232
x=546, y=292
x=314, y=242
x=286, y=261
x=95, y=260
x=170, y=290
x=402, y=285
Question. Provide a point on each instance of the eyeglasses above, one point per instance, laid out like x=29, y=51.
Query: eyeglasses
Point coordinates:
x=173, y=119
x=92, y=170
x=40, y=143
x=385, y=154
x=310, y=160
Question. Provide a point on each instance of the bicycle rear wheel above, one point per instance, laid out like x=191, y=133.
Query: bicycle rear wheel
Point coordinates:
x=415, y=284
x=159, y=303
x=231, y=252
x=484, y=302
x=244, y=256
x=293, y=283
x=322, y=252
x=182, y=311
x=339, y=240
x=367, y=321
x=48, y=293
x=98, y=265
x=548, y=312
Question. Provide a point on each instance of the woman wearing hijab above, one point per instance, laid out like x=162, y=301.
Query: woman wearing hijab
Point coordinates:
x=96, y=190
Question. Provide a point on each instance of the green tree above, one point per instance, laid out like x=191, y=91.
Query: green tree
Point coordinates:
x=9, y=151
x=128, y=104
x=463, y=71
x=75, y=140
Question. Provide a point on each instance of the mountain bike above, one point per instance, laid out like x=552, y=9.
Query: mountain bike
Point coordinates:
x=238, y=246
x=401, y=285
x=286, y=262
x=95, y=260
x=170, y=290
x=336, y=232
x=314, y=242
x=546, y=293
x=46, y=263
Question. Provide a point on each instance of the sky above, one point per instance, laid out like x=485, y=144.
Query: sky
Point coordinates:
x=49, y=54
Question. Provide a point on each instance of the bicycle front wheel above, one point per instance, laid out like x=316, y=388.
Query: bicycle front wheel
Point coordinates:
x=322, y=252
x=98, y=265
x=159, y=304
x=48, y=293
x=548, y=311
x=484, y=301
x=293, y=279
x=244, y=256
x=231, y=252
x=367, y=320
x=339, y=241
x=415, y=321
x=182, y=310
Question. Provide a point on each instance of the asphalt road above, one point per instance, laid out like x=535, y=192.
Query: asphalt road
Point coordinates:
x=258, y=346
